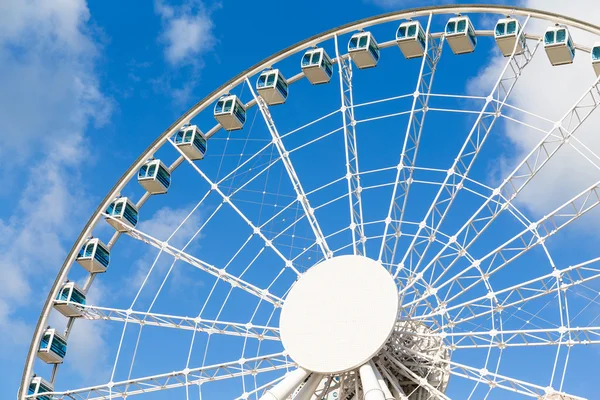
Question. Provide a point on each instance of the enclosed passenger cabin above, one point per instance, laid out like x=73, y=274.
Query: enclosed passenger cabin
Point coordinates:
x=317, y=66
x=67, y=300
x=154, y=177
x=53, y=347
x=363, y=50
x=94, y=256
x=122, y=214
x=559, y=45
x=595, y=53
x=191, y=141
x=230, y=112
x=37, y=388
x=272, y=87
x=460, y=35
x=508, y=33
x=411, y=39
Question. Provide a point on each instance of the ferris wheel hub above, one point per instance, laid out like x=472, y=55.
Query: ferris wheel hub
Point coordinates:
x=339, y=314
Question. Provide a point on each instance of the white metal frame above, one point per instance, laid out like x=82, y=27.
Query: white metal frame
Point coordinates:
x=578, y=206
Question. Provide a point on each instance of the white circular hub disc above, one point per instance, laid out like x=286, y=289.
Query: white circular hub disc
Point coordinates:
x=339, y=314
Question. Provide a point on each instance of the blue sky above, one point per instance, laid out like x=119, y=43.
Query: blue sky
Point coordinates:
x=87, y=86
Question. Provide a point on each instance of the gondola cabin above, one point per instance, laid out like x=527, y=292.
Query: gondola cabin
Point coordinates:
x=68, y=299
x=508, y=33
x=94, y=256
x=595, y=53
x=363, y=50
x=317, y=66
x=272, y=87
x=154, y=177
x=122, y=214
x=230, y=112
x=410, y=37
x=191, y=141
x=37, y=388
x=460, y=35
x=559, y=45
x=53, y=347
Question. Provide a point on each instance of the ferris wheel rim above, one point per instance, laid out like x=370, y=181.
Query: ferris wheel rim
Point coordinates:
x=239, y=79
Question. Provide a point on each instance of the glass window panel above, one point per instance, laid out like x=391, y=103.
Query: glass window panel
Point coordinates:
x=152, y=170
x=316, y=58
x=118, y=209
x=228, y=105
x=270, y=79
x=500, y=29
x=561, y=35
x=362, y=42
x=461, y=26
x=306, y=60
x=511, y=27
x=353, y=43
x=261, y=80
x=89, y=250
x=188, y=136
x=596, y=53
x=412, y=30
x=549, y=37
x=142, y=173
x=219, y=106
x=401, y=32
x=450, y=27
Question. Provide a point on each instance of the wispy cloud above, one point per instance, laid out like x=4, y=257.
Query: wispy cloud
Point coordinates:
x=188, y=32
x=550, y=91
x=50, y=95
x=187, y=36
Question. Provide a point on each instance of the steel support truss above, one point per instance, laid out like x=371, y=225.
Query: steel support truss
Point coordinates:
x=183, y=378
x=463, y=163
x=414, y=129
x=352, y=171
x=289, y=167
x=198, y=324
x=523, y=173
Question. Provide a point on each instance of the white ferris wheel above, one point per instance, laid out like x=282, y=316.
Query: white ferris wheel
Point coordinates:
x=354, y=225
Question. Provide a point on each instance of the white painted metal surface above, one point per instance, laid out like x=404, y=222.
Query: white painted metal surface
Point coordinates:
x=560, y=336
x=364, y=296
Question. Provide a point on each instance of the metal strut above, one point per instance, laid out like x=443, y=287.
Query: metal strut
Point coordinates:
x=352, y=171
x=285, y=158
x=459, y=171
x=395, y=216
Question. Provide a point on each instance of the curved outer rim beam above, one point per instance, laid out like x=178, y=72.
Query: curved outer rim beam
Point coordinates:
x=213, y=96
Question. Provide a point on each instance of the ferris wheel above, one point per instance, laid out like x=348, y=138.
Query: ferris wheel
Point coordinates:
x=363, y=215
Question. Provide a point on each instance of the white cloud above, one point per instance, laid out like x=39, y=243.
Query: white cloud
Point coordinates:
x=50, y=95
x=549, y=92
x=187, y=32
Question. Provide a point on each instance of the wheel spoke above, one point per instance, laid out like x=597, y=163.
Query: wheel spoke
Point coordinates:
x=526, y=170
x=516, y=295
x=412, y=138
x=227, y=200
x=289, y=167
x=503, y=339
x=463, y=163
x=515, y=247
x=352, y=171
x=202, y=265
x=172, y=380
x=248, y=330
x=493, y=380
